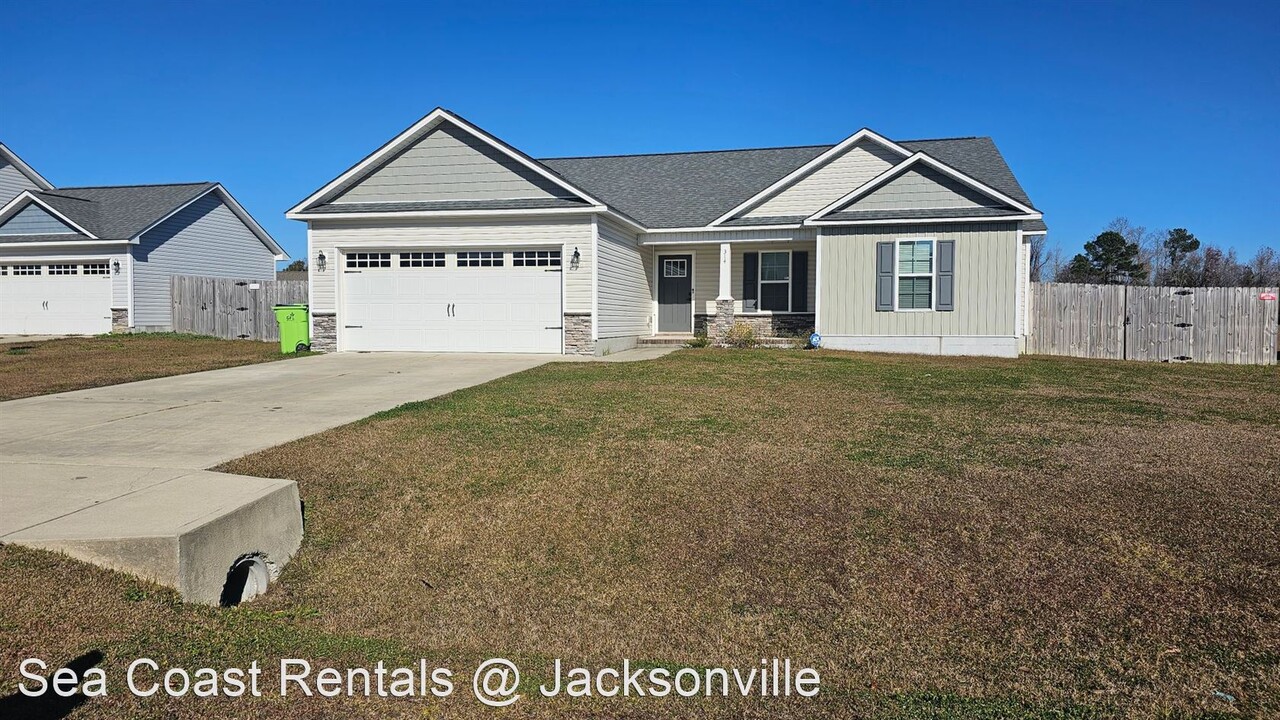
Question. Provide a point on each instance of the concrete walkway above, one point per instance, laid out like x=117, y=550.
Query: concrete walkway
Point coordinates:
x=116, y=475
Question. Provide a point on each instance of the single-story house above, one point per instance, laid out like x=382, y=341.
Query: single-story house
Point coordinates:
x=447, y=238
x=88, y=260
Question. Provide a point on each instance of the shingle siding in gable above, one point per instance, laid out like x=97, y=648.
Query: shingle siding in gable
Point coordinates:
x=450, y=164
x=920, y=188
x=35, y=220
x=12, y=182
x=204, y=238
x=829, y=183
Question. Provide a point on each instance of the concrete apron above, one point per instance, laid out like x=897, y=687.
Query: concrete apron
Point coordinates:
x=115, y=476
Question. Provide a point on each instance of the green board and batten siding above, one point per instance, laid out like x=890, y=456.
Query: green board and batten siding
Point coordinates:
x=986, y=275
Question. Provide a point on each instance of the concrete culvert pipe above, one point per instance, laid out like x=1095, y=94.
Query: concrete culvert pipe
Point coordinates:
x=248, y=578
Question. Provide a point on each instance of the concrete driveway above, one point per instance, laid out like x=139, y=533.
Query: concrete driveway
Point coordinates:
x=116, y=475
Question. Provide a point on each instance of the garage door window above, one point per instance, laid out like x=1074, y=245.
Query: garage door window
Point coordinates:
x=536, y=258
x=62, y=269
x=481, y=258
x=422, y=259
x=368, y=260
x=26, y=269
x=95, y=269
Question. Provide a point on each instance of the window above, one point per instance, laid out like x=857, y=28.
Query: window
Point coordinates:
x=26, y=269
x=62, y=269
x=775, y=281
x=535, y=258
x=368, y=260
x=95, y=269
x=4, y=270
x=915, y=275
x=676, y=268
x=422, y=259
x=480, y=258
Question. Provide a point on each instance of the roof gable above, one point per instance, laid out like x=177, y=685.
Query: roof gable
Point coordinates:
x=841, y=173
x=448, y=164
x=921, y=188
x=11, y=158
x=34, y=219
x=836, y=152
x=922, y=183
x=443, y=159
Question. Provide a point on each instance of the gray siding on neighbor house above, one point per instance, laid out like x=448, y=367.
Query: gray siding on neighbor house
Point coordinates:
x=450, y=164
x=624, y=276
x=919, y=188
x=35, y=220
x=986, y=277
x=840, y=176
x=12, y=182
x=205, y=238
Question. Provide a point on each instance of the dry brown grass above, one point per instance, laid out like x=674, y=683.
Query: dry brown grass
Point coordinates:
x=939, y=537
x=53, y=366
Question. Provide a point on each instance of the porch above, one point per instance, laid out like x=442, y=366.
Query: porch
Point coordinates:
x=705, y=288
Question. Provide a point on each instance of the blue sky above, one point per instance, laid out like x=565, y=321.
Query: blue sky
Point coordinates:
x=1162, y=112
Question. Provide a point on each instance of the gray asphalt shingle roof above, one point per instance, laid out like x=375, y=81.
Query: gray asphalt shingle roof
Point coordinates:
x=516, y=204
x=118, y=212
x=693, y=189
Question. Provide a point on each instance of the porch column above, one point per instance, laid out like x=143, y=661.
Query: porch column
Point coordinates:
x=724, y=300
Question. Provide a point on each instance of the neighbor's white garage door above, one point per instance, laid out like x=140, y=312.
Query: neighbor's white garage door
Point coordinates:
x=489, y=300
x=59, y=299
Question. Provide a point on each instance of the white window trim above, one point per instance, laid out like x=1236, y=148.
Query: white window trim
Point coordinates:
x=932, y=274
x=761, y=282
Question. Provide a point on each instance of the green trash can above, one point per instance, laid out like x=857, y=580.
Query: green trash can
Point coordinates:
x=295, y=331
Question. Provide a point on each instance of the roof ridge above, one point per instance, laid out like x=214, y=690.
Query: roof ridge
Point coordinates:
x=54, y=192
x=138, y=185
x=940, y=139
x=685, y=152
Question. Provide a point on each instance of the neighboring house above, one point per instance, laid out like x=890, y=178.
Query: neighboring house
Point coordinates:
x=449, y=239
x=88, y=260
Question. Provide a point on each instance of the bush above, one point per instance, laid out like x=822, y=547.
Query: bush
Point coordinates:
x=699, y=341
x=741, y=335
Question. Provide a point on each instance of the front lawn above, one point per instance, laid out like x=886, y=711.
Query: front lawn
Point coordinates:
x=53, y=366
x=939, y=537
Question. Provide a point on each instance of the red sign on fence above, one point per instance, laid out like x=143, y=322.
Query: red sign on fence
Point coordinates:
x=1266, y=296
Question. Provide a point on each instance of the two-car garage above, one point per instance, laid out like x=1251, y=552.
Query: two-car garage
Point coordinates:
x=458, y=300
x=64, y=298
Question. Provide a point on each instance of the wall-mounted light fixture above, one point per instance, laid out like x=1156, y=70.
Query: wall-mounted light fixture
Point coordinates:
x=115, y=266
x=320, y=262
x=573, y=262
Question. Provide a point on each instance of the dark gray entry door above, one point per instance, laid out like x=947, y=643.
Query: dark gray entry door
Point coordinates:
x=675, y=293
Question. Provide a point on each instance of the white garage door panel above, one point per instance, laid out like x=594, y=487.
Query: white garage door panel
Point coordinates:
x=502, y=309
x=55, y=304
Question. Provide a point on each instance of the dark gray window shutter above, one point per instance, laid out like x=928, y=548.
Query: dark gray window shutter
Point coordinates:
x=750, y=286
x=884, y=277
x=799, y=281
x=946, y=276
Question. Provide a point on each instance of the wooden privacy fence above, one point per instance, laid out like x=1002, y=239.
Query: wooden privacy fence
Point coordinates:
x=230, y=308
x=1235, y=325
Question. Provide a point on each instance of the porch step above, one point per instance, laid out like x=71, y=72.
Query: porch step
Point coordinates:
x=664, y=340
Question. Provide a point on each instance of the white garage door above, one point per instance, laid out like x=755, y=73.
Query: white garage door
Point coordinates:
x=488, y=300
x=58, y=299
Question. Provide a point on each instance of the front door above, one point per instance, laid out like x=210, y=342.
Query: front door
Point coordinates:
x=675, y=293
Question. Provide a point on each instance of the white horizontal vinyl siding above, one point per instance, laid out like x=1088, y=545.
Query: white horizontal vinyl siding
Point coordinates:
x=12, y=182
x=840, y=176
x=205, y=238
x=332, y=236
x=625, y=302
x=450, y=164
